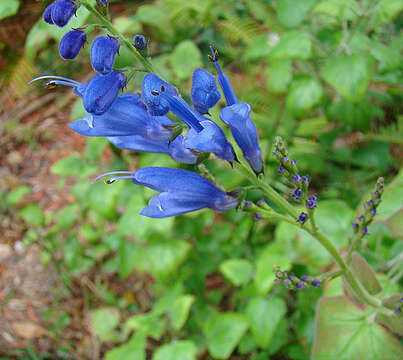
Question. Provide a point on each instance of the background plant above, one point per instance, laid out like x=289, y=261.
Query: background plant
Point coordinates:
x=326, y=76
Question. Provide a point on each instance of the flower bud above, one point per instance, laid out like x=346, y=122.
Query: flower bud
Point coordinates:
x=47, y=14
x=140, y=42
x=62, y=11
x=71, y=44
x=103, y=52
x=102, y=91
x=204, y=91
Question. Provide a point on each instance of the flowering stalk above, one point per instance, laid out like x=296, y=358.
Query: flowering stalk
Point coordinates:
x=106, y=22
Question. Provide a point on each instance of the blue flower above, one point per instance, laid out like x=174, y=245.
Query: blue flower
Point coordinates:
x=140, y=42
x=71, y=44
x=47, y=14
x=236, y=115
x=126, y=116
x=175, y=149
x=103, y=52
x=210, y=139
x=204, y=91
x=181, y=191
x=61, y=12
x=229, y=94
x=101, y=92
x=151, y=89
x=244, y=132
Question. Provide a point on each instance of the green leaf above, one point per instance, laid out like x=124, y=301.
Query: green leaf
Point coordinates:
x=340, y=9
x=149, y=324
x=258, y=49
x=185, y=58
x=70, y=165
x=365, y=274
x=292, y=45
x=388, y=57
x=103, y=323
x=15, y=196
x=67, y=216
x=32, y=214
x=8, y=8
x=264, y=316
x=343, y=331
x=182, y=349
x=223, y=332
x=280, y=75
x=349, y=75
x=238, y=271
x=388, y=9
x=272, y=254
x=291, y=13
x=303, y=95
x=179, y=311
x=153, y=15
x=134, y=349
x=164, y=257
x=394, y=322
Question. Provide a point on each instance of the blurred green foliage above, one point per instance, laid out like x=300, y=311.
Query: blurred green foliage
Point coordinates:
x=327, y=76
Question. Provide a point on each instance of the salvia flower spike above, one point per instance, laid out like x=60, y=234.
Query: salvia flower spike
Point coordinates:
x=181, y=191
x=72, y=43
x=103, y=52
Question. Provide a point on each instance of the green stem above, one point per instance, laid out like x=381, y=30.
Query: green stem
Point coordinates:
x=269, y=191
x=108, y=25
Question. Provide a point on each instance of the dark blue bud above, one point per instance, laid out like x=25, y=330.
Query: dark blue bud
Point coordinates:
x=361, y=218
x=281, y=169
x=62, y=11
x=292, y=277
x=261, y=203
x=293, y=163
x=313, y=197
x=286, y=159
x=305, y=179
x=47, y=14
x=247, y=204
x=71, y=44
x=140, y=42
x=298, y=193
x=398, y=310
x=370, y=203
x=364, y=231
x=103, y=52
x=304, y=277
x=315, y=283
x=373, y=211
x=300, y=285
x=296, y=178
x=311, y=202
x=103, y=2
x=257, y=216
x=355, y=226
x=101, y=92
x=302, y=218
x=204, y=91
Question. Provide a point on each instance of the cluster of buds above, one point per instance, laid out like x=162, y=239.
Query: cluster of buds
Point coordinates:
x=292, y=282
x=360, y=226
x=288, y=168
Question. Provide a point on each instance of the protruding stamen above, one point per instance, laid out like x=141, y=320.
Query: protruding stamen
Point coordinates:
x=112, y=173
x=54, y=77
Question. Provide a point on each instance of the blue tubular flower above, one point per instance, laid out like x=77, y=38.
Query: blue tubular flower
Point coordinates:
x=62, y=11
x=151, y=88
x=204, y=91
x=244, y=131
x=71, y=44
x=211, y=139
x=181, y=191
x=176, y=149
x=229, y=94
x=102, y=91
x=47, y=14
x=103, y=52
x=126, y=116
